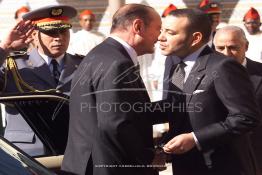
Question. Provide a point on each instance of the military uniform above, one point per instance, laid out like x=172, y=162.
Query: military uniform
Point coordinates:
x=252, y=22
x=37, y=73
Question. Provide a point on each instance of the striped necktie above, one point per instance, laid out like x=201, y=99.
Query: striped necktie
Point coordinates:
x=179, y=75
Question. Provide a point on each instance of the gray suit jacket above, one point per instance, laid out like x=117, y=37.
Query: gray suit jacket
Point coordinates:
x=35, y=72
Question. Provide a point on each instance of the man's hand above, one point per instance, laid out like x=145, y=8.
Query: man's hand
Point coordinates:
x=17, y=37
x=159, y=160
x=180, y=144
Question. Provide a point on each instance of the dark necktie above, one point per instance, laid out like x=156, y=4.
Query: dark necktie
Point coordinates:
x=179, y=75
x=56, y=73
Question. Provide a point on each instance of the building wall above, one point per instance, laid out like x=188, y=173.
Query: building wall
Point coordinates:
x=233, y=10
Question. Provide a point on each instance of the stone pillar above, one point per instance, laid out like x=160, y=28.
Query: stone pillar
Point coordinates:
x=114, y=5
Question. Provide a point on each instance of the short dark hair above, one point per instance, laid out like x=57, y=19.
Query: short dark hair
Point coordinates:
x=198, y=21
x=125, y=15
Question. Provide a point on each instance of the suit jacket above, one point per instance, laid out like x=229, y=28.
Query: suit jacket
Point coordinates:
x=219, y=106
x=109, y=131
x=34, y=71
x=167, y=75
x=255, y=71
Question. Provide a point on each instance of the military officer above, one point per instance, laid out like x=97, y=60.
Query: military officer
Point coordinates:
x=47, y=66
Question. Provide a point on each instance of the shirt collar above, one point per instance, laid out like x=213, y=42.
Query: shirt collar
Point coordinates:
x=48, y=59
x=244, y=63
x=190, y=59
x=130, y=50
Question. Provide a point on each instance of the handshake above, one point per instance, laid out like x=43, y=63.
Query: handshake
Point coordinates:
x=179, y=144
x=160, y=158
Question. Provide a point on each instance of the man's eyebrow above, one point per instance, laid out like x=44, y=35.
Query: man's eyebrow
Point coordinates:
x=168, y=30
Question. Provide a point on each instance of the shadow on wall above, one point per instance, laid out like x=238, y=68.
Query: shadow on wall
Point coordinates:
x=98, y=8
x=227, y=7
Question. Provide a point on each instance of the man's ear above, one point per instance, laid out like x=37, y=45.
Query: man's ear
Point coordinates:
x=137, y=26
x=35, y=35
x=247, y=44
x=197, y=38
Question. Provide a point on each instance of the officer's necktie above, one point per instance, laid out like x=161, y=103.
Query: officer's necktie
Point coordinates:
x=179, y=75
x=55, y=71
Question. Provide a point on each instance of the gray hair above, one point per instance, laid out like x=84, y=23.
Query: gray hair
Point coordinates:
x=236, y=29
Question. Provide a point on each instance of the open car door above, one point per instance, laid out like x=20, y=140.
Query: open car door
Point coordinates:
x=48, y=116
x=15, y=161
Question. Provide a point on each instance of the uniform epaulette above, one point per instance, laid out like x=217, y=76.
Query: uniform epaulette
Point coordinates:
x=17, y=54
x=81, y=56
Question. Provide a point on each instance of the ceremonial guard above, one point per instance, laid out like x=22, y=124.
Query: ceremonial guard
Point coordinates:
x=46, y=68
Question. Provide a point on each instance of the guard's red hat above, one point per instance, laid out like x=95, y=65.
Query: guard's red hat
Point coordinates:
x=209, y=7
x=252, y=13
x=203, y=3
x=169, y=9
x=23, y=9
x=86, y=12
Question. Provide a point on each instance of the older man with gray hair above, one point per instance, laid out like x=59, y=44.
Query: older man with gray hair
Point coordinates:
x=231, y=41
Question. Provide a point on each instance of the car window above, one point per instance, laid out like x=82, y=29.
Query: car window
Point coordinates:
x=15, y=161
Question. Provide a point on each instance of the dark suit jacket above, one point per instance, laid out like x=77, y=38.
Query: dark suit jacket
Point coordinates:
x=255, y=71
x=35, y=72
x=108, y=126
x=219, y=106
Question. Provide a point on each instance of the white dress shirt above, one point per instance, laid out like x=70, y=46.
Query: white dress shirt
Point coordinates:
x=130, y=50
x=59, y=60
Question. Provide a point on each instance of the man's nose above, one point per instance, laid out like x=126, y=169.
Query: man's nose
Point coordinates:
x=161, y=36
x=227, y=52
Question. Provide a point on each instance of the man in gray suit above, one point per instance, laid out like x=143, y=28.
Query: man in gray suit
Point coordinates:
x=48, y=66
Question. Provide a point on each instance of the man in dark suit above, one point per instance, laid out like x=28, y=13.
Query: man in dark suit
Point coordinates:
x=46, y=67
x=110, y=131
x=231, y=41
x=216, y=99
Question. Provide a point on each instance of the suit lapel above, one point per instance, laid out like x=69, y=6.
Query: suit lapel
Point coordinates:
x=256, y=81
x=70, y=65
x=169, y=69
x=40, y=68
x=254, y=70
x=197, y=74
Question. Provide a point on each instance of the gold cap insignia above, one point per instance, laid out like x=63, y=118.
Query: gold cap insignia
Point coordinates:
x=56, y=11
x=213, y=5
